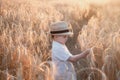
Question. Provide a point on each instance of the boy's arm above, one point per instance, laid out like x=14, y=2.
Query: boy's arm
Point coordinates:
x=75, y=58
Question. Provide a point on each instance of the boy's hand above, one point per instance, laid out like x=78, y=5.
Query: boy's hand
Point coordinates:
x=75, y=58
x=87, y=51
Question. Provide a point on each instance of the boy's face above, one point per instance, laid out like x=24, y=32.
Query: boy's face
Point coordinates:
x=61, y=38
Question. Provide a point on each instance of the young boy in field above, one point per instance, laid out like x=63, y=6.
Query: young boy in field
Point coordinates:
x=61, y=57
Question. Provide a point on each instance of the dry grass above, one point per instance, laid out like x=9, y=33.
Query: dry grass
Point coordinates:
x=25, y=44
x=102, y=33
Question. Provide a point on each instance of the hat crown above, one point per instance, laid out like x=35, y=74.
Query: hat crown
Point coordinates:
x=58, y=26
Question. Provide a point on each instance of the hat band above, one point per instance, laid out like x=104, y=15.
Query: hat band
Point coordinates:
x=57, y=32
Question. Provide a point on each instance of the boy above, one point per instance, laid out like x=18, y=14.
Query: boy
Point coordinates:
x=61, y=57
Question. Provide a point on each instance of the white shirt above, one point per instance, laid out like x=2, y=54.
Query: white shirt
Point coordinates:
x=64, y=69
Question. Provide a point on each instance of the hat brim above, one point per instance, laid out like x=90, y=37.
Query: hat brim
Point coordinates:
x=67, y=33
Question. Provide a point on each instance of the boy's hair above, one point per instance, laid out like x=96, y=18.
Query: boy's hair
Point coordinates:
x=52, y=36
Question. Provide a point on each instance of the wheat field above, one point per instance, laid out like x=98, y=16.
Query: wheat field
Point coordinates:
x=25, y=45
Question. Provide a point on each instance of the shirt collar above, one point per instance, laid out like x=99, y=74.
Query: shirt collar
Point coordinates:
x=55, y=42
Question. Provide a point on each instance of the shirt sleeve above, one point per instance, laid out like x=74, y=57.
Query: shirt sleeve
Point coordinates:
x=62, y=53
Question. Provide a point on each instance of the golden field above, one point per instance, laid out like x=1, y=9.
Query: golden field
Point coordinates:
x=25, y=43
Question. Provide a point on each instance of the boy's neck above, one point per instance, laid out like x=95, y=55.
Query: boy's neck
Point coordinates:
x=59, y=42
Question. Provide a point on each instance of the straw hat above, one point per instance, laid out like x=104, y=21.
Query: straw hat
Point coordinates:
x=60, y=28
